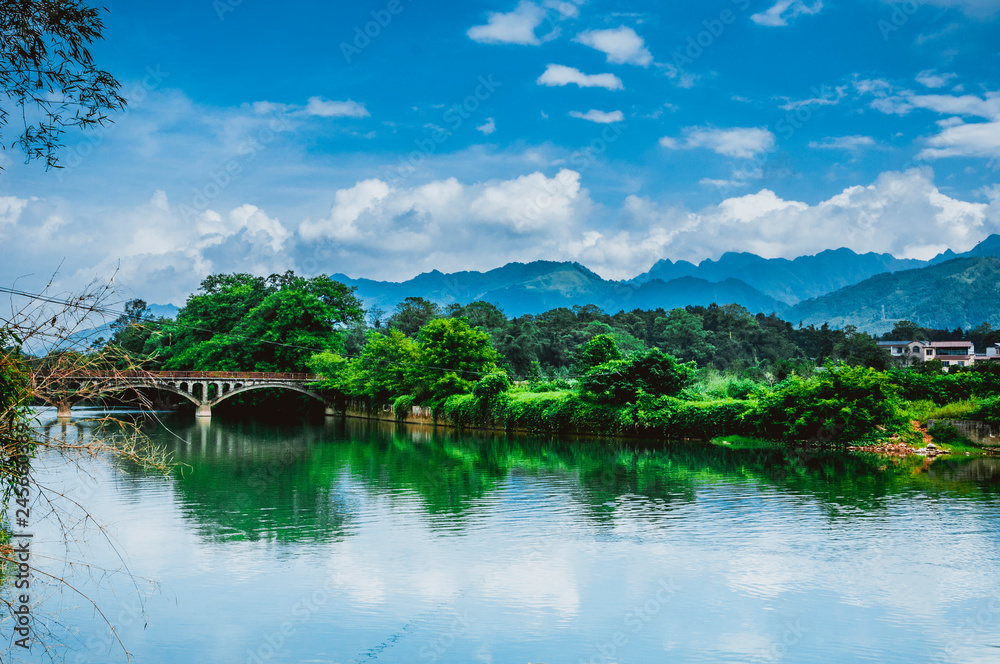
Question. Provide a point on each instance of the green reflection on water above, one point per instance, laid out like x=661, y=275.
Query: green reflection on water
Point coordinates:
x=306, y=482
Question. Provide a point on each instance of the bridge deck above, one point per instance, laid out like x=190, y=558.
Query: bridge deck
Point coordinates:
x=196, y=375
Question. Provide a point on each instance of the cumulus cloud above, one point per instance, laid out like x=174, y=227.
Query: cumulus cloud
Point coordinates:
x=560, y=75
x=902, y=213
x=621, y=45
x=739, y=142
x=785, y=10
x=487, y=127
x=601, y=117
x=516, y=27
x=447, y=224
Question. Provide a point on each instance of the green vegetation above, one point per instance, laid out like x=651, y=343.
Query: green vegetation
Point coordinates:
x=696, y=372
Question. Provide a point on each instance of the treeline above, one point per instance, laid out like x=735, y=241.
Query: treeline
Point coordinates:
x=695, y=371
x=242, y=322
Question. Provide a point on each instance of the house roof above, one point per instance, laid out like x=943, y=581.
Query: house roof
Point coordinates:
x=951, y=344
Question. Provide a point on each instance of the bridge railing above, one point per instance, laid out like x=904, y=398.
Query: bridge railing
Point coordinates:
x=195, y=375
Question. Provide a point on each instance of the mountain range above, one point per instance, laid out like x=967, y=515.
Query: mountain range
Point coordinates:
x=839, y=286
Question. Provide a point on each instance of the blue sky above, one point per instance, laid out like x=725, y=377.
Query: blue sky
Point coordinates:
x=383, y=139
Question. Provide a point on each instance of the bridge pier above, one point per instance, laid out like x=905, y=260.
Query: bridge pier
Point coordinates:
x=329, y=412
x=204, y=410
x=63, y=410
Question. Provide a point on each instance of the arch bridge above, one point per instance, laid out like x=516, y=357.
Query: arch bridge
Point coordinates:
x=204, y=389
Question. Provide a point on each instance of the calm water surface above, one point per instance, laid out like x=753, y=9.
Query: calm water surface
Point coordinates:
x=349, y=541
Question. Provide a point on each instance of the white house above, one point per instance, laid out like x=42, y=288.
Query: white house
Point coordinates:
x=951, y=353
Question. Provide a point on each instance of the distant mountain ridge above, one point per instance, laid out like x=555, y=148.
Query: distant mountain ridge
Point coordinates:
x=961, y=292
x=760, y=284
x=531, y=288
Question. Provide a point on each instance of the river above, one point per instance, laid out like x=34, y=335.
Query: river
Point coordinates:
x=349, y=541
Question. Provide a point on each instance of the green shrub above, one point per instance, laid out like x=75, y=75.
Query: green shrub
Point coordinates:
x=675, y=418
x=652, y=372
x=402, y=405
x=840, y=404
x=988, y=411
x=928, y=410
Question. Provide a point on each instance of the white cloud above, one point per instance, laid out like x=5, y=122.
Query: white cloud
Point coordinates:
x=826, y=98
x=11, y=208
x=565, y=9
x=973, y=8
x=981, y=139
x=739, y=142
x=446, y=224
x=621, y=45
x=516, y=27
x=900, y=213
x=931, y=79
x=988, y=107
x=322, y=108
x=600, y=117
x=785, y=10
x=843, y=143
x=488, y=127
x=754, y=206
x=559, y=75
x=315, y=107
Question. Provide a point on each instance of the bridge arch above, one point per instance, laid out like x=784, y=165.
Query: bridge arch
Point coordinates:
x=274, y=386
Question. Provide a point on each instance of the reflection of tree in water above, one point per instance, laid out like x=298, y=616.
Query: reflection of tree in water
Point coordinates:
x=255, y=481
x=252, y=480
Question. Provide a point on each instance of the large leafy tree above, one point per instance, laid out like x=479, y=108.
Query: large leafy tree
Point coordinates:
x=452, y=356
x=412, y=314
x=48, y=74
x=240, y=322
x=682, y=335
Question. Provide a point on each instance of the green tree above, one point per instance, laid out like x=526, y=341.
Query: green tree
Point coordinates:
x=48, y=73
x=599, y=350
x=132, y=330
x=860, y=350
x=681, y=335
x=412, y=314
x=621, y=381
x=241, y=322
x=452, y=356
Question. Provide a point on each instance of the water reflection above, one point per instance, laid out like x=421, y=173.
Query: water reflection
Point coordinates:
x=255, y=480
x=436, y=545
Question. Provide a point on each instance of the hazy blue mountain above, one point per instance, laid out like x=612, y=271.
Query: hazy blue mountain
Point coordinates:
x=804, y=277
x=962, y=292
x=523, y=288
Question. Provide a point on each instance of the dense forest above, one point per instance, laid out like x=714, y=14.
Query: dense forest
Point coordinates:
x=695, y=371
